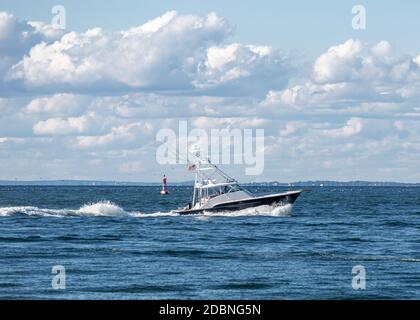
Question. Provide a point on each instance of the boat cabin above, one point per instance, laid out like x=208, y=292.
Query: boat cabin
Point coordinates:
x=208, y=193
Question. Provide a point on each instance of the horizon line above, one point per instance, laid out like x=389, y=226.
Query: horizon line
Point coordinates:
x=191, y=181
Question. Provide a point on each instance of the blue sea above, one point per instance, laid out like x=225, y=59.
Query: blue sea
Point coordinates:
x=124, y=243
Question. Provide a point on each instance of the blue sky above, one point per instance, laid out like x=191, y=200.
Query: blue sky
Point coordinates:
x=86, y=102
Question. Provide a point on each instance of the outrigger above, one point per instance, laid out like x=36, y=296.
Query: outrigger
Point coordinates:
x=215, y=191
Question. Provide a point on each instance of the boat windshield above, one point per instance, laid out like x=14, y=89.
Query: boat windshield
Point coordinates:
x=222, y=189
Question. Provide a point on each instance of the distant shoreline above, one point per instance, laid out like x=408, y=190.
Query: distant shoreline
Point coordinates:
x=190, y=183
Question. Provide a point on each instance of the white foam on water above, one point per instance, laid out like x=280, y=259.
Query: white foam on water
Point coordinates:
x=271, y=211
x=32, y=211
x=410, y=260
x=9, y=211
x=155, y=214
x=102, y=208
x=108, y=208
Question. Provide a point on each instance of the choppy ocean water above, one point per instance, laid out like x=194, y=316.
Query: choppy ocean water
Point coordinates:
x=123, y=243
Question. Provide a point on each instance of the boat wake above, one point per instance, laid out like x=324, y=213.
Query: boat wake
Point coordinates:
x=102, y=208
x=266, y=210
x=110, y=209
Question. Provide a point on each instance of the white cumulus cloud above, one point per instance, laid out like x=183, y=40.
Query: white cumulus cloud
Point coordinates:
x=352, y=127
x=120, y=136
x=58, y=104
x=170, y=52
x=66, y=126
x=18, y=37
x=161, y=54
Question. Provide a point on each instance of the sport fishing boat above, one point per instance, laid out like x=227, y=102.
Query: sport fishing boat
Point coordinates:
x=215, y=191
